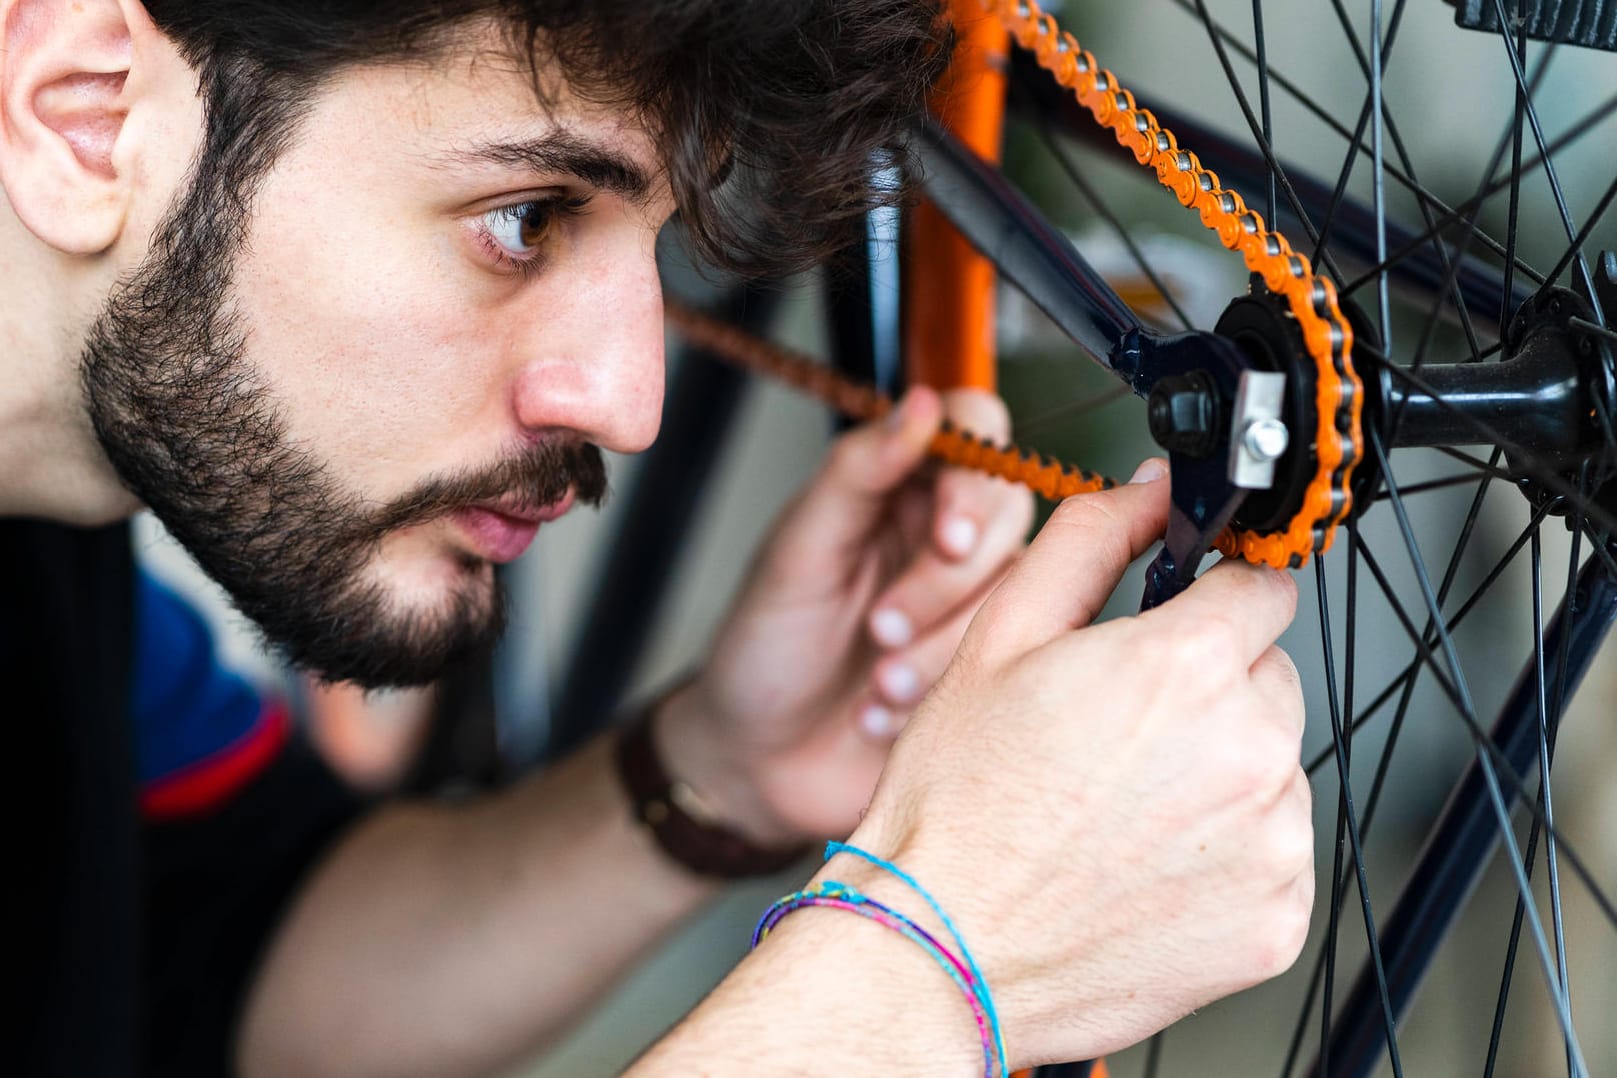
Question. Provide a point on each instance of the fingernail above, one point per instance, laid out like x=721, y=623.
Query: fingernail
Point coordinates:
x=1150, y=470
x=891, y=628
x=876, y=720
x=959, y=535
x=899, y=681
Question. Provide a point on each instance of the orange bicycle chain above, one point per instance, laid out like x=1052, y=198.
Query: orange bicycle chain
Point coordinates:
x=1051, y=478
x=1311, y=299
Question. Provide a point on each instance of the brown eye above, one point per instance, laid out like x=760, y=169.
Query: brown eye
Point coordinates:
x=520, y=229
x=533, y=224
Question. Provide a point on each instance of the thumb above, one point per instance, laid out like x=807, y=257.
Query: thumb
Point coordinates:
x=1073, y=565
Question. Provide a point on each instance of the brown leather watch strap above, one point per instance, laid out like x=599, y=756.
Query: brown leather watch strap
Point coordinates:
x=705, y=848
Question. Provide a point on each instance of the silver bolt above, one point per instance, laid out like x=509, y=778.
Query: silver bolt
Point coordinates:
x=1265, y=439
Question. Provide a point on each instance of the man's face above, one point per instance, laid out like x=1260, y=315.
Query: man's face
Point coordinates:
x=355, y=399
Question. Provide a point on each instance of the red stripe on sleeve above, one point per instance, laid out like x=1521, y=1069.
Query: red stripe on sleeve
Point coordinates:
x=207, y=784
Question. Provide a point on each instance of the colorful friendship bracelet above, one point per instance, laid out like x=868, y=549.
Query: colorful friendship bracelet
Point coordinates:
x=835, y=895
x=834, y=848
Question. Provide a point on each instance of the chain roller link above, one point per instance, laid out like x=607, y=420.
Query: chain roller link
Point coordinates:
x=1051, y=478
x=1311, y=299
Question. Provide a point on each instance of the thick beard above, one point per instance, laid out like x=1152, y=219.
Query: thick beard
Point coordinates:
x=181, y=414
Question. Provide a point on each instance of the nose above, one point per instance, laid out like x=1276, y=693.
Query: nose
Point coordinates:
x=593, y=363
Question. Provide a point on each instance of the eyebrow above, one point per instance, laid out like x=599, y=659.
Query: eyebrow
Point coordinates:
x=568, y=154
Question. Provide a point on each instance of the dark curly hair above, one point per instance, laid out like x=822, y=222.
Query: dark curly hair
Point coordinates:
x=788, y=101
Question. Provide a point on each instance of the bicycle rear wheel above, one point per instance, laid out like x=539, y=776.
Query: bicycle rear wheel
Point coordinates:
x=1432, y=610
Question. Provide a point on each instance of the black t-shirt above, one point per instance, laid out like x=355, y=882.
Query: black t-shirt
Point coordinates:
x=137, y=934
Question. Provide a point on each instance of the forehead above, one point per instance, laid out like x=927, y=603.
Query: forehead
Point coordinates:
x=473, y=104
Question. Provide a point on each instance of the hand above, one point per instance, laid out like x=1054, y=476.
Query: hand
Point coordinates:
x=1114, y=814
x=853, y=609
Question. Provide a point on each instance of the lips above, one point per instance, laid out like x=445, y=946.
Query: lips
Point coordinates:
x=501, y=531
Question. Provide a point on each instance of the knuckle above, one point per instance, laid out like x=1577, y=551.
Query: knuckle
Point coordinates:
x=1290, y=933
x=1260, y=585
x=1094, y=525
x=1269, y=762
x=977, y=647
x=1260, y=774
x=1302, y=898
x=1272, y=958
x=1278, y=589
x=1285, y=669
x=1291, y=845
x=1286, y=585
x=1279, y=935
x=966, y=664
x=1085, y=513
x=1281, y=751
x=1208, y=645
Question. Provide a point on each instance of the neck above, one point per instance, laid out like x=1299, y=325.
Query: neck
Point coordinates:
x=51, y=465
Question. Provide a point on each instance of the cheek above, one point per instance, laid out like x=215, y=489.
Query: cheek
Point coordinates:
x=371, y=357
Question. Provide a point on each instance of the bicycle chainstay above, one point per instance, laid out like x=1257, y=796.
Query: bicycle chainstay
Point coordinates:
x=1051, y=478
x=1339, y=398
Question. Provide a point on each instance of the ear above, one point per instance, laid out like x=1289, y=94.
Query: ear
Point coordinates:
x=64, y=72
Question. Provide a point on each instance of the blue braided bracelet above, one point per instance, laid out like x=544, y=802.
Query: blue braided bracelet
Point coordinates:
x=987, y=998
x=837, y=895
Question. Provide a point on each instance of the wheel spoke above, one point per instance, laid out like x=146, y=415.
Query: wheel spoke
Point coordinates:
x=1506, y=308
x=1379, y=174
x=1262, y=50
x=1324, y=965
x=1500, y=765
x=1275, y=170
x=1402, y=682
x=1345, y=807
x=1074, y=410
x=1463, y=246
x=1545, y=757
x=1586, y=278
x=1510, y=964
x=1434, y=484
x=1325, y=116
x=1489, y=774
x=1549, y=163
x=1372, y=102
x=1590, y=223
x=1489, y=467
x=1099, y=204
x=1471, y=206
x=1427, y=656
x=1448, y=216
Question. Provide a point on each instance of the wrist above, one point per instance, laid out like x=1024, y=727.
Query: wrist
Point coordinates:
x=716, y=784
x=984, y=923
x=827, y=993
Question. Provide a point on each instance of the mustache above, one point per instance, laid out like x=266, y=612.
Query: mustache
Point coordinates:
x=541, y=476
